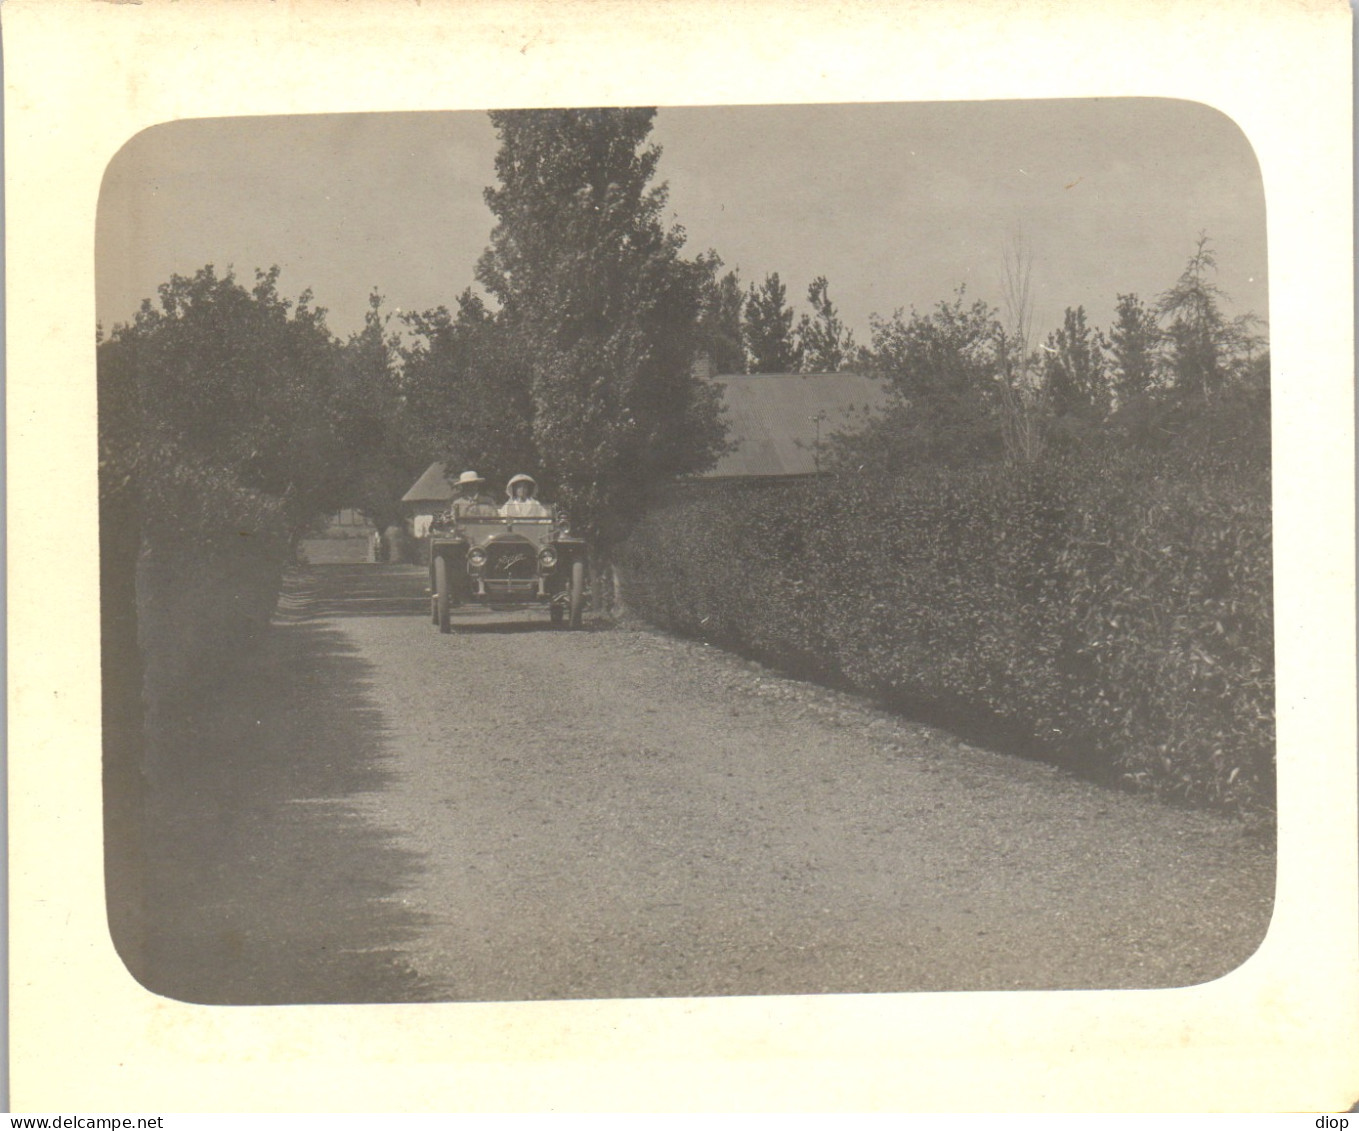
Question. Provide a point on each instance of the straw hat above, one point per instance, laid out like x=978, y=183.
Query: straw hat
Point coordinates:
x=467, y=478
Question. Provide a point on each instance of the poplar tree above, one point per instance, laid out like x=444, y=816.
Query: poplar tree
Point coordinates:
x=603, y=308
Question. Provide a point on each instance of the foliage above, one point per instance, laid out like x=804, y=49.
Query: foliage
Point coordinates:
x=824, y=341
x=239, y=381
x=1134, y=342
x=1206, y=349
x=771, y=345
x=1111, y=610
x=1075, y=368
x=601, y=308
x=1024, y=397
x=369, y=418
x=1230, y=434
x=941, y=370
x=230, y=419
x=189, y=559
x=468, y=393
x=719, y=321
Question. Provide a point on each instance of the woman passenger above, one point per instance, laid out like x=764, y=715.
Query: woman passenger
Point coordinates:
x=521, y=503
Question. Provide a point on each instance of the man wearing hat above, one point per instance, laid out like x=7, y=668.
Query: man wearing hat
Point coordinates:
x=468, y=502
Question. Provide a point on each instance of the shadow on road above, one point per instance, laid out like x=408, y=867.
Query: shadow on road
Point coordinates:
x=354, y=591
x=265, y=880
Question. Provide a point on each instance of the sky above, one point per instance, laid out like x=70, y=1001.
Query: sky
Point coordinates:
x=896, y=204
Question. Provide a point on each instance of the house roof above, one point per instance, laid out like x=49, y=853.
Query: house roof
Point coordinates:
x=776, y=419
x=432, y=487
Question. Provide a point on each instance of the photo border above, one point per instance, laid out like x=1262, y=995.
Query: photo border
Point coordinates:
x=1279, y=1033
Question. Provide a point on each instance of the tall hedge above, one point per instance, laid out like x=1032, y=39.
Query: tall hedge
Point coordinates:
x=208, y=574
x=1112, y=614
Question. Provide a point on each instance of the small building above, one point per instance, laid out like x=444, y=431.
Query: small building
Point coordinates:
x=780, y=422
x=349, y=522
x=429, y=495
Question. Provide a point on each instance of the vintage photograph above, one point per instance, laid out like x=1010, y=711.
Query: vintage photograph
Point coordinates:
x=668, y=552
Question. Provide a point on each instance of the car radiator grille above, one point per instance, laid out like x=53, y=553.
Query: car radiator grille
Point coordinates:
x=511, y=563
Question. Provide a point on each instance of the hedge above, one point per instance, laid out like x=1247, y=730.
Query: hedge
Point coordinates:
x=1094, y=608
x=192, y=565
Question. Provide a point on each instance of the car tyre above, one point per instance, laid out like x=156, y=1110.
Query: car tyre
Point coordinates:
x=442, y=596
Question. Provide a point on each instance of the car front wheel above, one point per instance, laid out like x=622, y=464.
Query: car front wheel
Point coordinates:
x=442, y=596
x=577, y=593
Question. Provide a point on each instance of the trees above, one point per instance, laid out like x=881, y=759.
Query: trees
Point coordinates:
x=1023, y=396
x=467, y=390
x=369, y=419
x=823, y=339
x=1206, y=350
x=721, y=302
x=771, y=346
x=1194, y=335
x=1074, y=365
x=1134, y=342
x=241, y=384
x=942, y=369
x=602, y=309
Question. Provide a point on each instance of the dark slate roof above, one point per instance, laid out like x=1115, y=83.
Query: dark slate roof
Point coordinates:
x=432, y=487
x=775, y=418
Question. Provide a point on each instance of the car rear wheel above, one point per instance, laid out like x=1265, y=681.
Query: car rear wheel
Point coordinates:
x=442, y=597
x=577, y=593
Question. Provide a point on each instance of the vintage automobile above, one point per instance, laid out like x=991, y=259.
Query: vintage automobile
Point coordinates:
x=506, y=563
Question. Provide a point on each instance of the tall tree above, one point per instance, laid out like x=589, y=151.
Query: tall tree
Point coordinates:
x=1202, y=341
x=242, y=384
x=719, y=317
x=468, y=397
x=1024, y=398
x=1073, y=359
x=771, y=346
x=370, y=421
x=603, y=308
x=1134, y=343
x=826, y=344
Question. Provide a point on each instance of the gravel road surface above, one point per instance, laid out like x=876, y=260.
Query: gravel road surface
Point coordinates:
x=372, y=811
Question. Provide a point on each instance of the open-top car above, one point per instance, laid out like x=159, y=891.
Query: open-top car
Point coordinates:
x=506, y=563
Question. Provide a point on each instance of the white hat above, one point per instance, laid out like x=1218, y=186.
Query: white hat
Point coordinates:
x=468, y=477
x=509, y=487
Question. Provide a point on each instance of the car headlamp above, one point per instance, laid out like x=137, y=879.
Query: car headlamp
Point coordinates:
x=477, y=558
x=547, y=557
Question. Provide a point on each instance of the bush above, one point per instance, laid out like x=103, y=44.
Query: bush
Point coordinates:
x=1110, y=611
x=198, y=613
x=192, y=564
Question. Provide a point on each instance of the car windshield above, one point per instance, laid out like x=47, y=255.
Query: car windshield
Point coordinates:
x=503, y=521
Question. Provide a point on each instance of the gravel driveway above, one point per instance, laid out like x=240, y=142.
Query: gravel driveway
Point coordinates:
x=374, y=811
